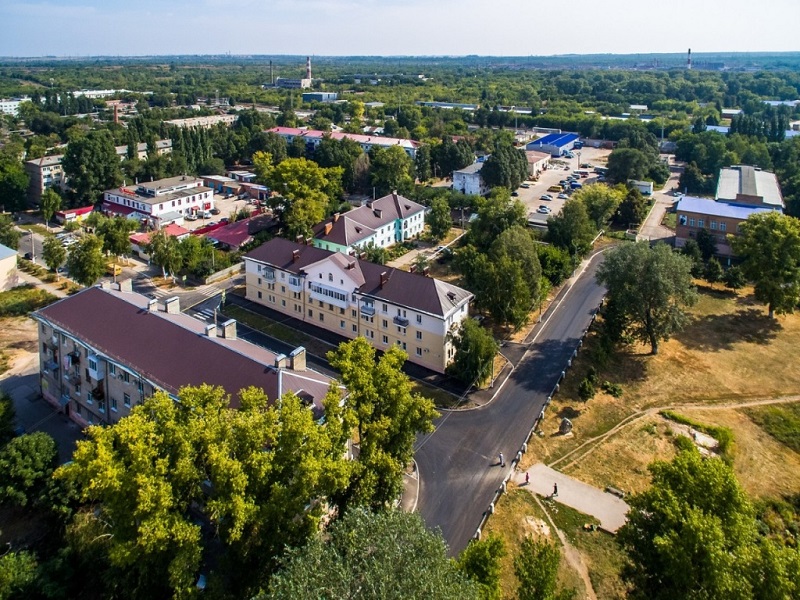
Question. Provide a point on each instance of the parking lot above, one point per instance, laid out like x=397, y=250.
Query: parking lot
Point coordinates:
x=227, y=207
x=560, y=168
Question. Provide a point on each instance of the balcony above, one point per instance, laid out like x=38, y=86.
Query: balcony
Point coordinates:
x=402, y=321
x=368, y=309
x=75, y=355
x=98, y=393
x=73, y=378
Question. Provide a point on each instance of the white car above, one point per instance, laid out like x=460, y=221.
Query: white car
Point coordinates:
x=190, y=217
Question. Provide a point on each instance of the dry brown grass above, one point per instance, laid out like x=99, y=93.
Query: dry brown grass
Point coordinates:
x=517, y=517
x=18, y=339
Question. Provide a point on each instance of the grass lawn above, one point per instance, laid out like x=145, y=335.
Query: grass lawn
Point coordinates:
x=670, y=220
x=276, y=329
x=782, y=422
x=518, y=516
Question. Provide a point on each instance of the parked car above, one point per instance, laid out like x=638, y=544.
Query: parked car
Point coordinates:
x=214, y=211
x=545, y=197
x=543, y=211
x=563, y=196
x=525, y=185
x=190, y=216
x=543, y=207
x=515, y=193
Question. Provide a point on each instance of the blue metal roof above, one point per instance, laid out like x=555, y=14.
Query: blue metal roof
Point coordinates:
x=554, y=139
x=5, y=252
x=715, y=208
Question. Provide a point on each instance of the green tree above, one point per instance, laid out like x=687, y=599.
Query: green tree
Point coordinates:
x=495, y=214
x=9, y=234
x=7, y=416
x=53, y=253
x=387, y=416
x=536, y=568
x=572, y=229
x=391, y=170
x=769, y=245
x=423, y=163
x=165, y=252
x=632, y=210
x=713, y=272
x=13, y=184
x=625, y=164
x=556, y=263
x=734, y=278
x=601, y=202
x=439, y=219
x=480, y=562
x=50, y=204
x=115, y=234
x=706, y=244
x=27, y=463
x=341, y=153
x=258, y=474
x=92, y=166
x=691, y=533
x=17, y=575
x=85, y=261
x=475, y=352
x=506, y=167
x=389, y=555
x=649, y=286
x=306, y=190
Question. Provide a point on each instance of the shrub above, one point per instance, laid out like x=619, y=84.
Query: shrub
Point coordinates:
x=613, y=389
x=591, y=375
x=683, y=442
x=586, y=390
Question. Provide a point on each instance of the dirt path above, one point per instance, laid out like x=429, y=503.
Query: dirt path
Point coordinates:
x=572, y=555
x=596, y=441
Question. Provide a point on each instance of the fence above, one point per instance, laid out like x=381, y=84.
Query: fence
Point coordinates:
x=524, y=448
x=224, y=273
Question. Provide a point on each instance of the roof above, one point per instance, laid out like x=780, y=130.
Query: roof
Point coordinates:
x=535, y=156
x=5, y=252
x=234, y=234
x=743, y=180
x=83, y=210
x=46, y=161
x=715, y=208
x=170, y=229
x=471, y=169
x=337, y=135
x=554, y=139
x=412, y=290
x=173, y=350
x=362, y=222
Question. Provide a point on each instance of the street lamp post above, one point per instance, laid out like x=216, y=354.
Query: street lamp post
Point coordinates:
x=33, y=250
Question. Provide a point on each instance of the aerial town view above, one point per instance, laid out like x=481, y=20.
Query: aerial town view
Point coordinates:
x=378, y=300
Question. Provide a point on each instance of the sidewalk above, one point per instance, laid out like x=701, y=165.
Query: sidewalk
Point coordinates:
x=606, y=508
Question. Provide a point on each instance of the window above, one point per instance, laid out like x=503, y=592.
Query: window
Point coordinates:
x=355, y=313
x=385, y=308
x=700, y=223
x=259, y=295
x=259, y=281
x=723, y=226
x=330, y=276
x=89, y=399
x=691, y=222
x=283, y=289
x=140, y=386
x=126, y=377
x=341, y=324
x=419, y=318
x=419, y=351
x=385, y=323
x=310, y=313
x=126, y=400
x=321, y=316
x=355, y=328
x=713, y=224
x=114, y=404
x=112, y=369
x=93, y=364
x=385, y=340
x=101, y=406
x=419, y=335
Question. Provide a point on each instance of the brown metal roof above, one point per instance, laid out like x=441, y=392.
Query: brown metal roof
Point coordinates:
x=412, y=290
x=170, y=350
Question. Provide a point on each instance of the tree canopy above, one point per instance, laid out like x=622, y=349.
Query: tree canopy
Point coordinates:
x=769, y=245
x=649, y=286
x=92, y=166
x=85, y=260
x=475, y=351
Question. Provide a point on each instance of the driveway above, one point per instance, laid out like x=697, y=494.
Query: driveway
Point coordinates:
x=652, y=229
x=458, y=466
x=610, y=510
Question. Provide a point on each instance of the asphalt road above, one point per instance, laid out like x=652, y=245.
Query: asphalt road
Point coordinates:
x=458, y=463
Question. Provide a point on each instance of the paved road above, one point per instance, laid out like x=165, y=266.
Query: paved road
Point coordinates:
x=652, y=229
x=458, y=463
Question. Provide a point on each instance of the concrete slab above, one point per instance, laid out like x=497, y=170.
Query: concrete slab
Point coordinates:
x=606, y=508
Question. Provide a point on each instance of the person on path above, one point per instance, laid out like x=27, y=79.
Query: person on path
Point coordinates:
x=502, y=460
x=527, y=478
x=555, y=490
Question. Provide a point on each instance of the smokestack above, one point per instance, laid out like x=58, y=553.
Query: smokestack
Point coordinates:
x=308, y=67
x=689, y=60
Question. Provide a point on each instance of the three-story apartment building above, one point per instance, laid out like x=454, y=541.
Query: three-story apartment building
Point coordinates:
x=103, y=351
x=353, y=298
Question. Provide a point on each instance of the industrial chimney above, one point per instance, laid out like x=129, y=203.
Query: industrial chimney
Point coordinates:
x=689, y=60
x=308, y=67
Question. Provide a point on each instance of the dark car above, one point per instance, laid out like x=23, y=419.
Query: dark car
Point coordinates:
x=215, y=211
x=28, y=256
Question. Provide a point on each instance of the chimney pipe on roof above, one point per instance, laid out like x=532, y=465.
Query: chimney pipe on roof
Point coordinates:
x=298, y=239
x=211, y=330
x=152, y=305
x=280, y=361
x=229, y=329
x=425, y=271
x=297, y=359
x=172, y=305
x=295, y=255
x=384, y=278
x=328, y=228
x=126, y=285
x=336, y=217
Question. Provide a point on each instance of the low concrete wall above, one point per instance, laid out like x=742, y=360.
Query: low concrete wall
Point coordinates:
x=225, y=273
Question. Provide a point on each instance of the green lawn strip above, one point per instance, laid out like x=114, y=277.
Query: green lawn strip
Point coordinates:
x=723, y=435
x=23, y=299
x=267, y=326
x=40, y=229
x=440, y=397
x=781, y=422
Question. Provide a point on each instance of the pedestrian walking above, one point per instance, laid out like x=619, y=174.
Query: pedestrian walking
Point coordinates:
x=555, y=490
x=502, y=460
x=527, y=478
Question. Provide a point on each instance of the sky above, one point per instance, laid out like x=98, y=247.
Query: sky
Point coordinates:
x=394, y=27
